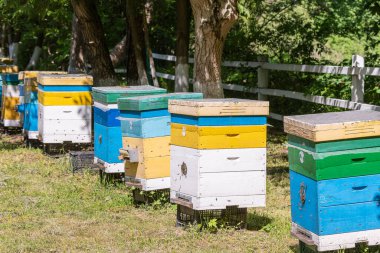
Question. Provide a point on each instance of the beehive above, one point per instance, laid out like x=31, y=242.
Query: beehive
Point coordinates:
x=218, y=153
x=10, y=100
x=64, y=108
x=334, y=161
x=145, y=124
x=30, y=105
x=107, y=130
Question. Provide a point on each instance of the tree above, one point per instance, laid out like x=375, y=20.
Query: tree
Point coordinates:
x=182, y=46
x=135, y=19
x=95, y=43
x=213, y=20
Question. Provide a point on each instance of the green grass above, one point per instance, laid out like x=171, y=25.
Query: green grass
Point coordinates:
x=45, y=208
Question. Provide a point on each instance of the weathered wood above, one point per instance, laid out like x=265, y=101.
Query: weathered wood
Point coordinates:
x=219, y=107
x=69, y=79
x=262, y=78
x=334, y=126
x=64, y=98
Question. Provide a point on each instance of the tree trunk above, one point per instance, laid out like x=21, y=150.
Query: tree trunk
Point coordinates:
x=95, y=42
x=76, y=62
x=213, y=20
x=3, y=40
x=182, y=46
x=132, y=73
x=119, y=52
x=14, y=38
x=146, y=21
x=135, y=19
x=36, y=52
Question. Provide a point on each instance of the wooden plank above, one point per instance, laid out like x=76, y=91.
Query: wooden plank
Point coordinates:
x=151, y=147
x=150, y=167
x=69, y=79
x=336, y=241
x=219, y=107
x=334, y=126
x=8, y=69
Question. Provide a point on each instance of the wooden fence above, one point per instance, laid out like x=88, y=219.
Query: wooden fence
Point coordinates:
x=358, y=72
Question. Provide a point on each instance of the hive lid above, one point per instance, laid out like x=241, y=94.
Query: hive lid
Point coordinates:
x=68, y=79
x=5, y=60
x=109, y=95
x=152, y=102
x=34, y=74
x=8, y=69
x=128, y=89
x=334, y=126
x=219, y=107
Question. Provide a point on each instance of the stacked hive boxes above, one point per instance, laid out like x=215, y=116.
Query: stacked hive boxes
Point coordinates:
x=218, y=153
x=64, y=108
x=5, y=69
x=145, y=124
x=334, y=161
x=10, y=97
x=30, y=105
x=107, y=131
x=20, y=106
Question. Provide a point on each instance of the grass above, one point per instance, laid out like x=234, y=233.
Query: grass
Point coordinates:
x=46, y=208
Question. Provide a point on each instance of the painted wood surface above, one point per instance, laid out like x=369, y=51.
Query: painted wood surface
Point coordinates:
x=110, y=167
x=9, y=111
x=65, y=112
x=107, y=142
x=68, y=79
x=223, y=137
x=64, y=127
x=152, y=184
x=109, y=95
x=8, y=69
x=10, y=91
x=149, y=147
x=337, y=164
x=145, y=128
x=334, y=126
x=31, y=97
x=144, y=114
x=34, y=74
x=65, y=138
x=150, y=167
x=335, y=206
x=64, y=88
x=31, y=117
x=64, y=98
x=331, y=146
x=218, y=121
x=153, y=102
x=11, y=123
x=211, y=203
x=219, y=107
x=217, y=173
x=107, y=118
x=336, y=241
x=10, y=78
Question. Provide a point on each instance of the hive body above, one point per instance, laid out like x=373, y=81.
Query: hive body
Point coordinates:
x=334, y=161
x=107, y=128
x=64, y=108
x=145, y=124
x=218, y=153
x=10, y=117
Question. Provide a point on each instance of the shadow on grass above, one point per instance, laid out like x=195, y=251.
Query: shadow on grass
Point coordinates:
x=257, y=222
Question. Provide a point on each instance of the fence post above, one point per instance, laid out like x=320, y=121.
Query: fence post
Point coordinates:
x=357, y=85
x=262, y=78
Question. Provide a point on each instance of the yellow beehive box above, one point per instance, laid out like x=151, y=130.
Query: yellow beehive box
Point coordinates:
x=9, y=108
x=334, y=126
x=151, y=157
x=218, y=137
x=69, y=79
x=8, y=69
x=219, y=107
x=64, y=98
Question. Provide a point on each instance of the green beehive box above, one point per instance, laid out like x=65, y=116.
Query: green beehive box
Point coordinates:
x=336, y=164
x=153, y=102
x=109, y=95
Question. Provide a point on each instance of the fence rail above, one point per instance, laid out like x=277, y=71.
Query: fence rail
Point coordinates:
x=357, y=71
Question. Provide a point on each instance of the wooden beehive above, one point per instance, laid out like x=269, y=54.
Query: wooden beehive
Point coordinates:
x=218, y=154
x=334, y=161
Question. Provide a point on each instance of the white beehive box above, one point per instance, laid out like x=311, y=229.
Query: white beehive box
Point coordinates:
x=217, y=178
